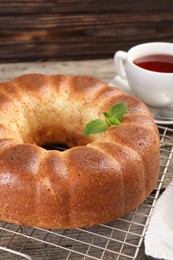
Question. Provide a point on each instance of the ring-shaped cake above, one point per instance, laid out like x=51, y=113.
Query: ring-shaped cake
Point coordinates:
x=100, y=178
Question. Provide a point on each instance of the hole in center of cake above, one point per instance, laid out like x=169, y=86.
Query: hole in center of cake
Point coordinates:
x=59, y=147
x=57, y=139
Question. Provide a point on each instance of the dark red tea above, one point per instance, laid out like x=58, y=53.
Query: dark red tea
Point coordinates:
x=158, y=62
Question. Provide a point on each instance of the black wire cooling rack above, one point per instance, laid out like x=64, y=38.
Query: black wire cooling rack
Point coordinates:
x=120, y=240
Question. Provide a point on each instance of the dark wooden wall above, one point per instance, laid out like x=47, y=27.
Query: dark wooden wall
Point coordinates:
x=32, y=30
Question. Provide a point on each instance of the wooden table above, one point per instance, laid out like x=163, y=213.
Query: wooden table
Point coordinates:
x=32, y=30
x=102, y=69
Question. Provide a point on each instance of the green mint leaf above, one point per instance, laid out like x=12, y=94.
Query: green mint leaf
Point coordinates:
x=111, y=120
x=95, y=126
x=107, y=115
x=118, y=111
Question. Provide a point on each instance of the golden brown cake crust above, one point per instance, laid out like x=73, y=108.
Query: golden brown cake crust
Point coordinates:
x=102, y=177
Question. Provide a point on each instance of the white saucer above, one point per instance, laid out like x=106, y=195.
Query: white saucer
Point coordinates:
x=123, y=85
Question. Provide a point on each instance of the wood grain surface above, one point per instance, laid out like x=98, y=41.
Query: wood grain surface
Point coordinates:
x=72, y=30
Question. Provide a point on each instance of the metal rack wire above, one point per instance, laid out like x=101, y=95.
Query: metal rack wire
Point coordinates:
x=120, y=240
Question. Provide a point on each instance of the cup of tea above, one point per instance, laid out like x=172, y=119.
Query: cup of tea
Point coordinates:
x=148, y=68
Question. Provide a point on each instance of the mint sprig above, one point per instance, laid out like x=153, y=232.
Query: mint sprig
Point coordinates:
x=112, y=117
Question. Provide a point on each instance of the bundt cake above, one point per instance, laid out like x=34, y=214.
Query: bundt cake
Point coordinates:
x=99, y=178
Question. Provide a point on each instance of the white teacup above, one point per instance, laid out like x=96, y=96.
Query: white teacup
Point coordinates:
x=154, y=88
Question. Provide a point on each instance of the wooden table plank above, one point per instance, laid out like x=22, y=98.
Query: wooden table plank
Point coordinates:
x=102, y=69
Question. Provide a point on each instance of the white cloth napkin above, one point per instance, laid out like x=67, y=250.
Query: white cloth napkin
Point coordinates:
x=159, y=235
